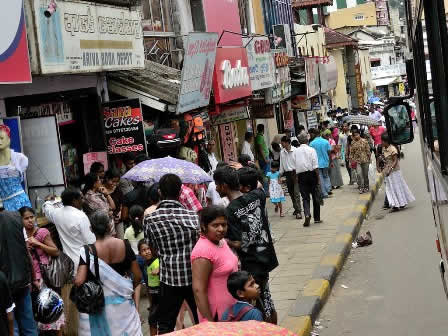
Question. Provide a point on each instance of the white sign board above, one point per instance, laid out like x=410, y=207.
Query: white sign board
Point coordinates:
x=87, y=37
x=312, y=77
x=261, y=63
x=392, y=70
x=197, y=72
x=328, y=73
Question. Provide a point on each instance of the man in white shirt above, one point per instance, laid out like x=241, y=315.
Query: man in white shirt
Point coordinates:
x=211, y=156
x=247, y=145
x=72, y=224
x=307, y=169
x=288, y=169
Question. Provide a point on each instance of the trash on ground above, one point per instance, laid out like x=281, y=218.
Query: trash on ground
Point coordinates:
x=344, y=286
x=354, y=245
x=364, y=240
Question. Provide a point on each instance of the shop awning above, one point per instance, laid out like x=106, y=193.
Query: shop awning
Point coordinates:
x=384, y=81
x=157, y=85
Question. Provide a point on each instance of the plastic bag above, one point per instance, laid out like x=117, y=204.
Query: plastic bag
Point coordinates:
x=372, y=173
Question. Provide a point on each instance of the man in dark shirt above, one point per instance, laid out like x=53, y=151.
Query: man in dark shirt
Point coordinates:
x=248, y=229
x=6, y=308
x=173, y=231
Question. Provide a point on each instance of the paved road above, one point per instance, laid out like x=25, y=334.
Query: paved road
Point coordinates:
x=394, y=286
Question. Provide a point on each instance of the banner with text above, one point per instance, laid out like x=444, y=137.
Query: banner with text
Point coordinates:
x=261, y=62
x=87, y=37
x=123, y=124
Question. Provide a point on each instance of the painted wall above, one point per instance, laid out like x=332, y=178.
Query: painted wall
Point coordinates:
x=258, y=17
x=361, y=15
x=315, y=41
x=340, y=98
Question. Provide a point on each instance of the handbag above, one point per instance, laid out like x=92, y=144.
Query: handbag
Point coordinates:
x=59, y=270
x=89, y=297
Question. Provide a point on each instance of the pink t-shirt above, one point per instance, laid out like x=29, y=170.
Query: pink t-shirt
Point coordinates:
x=224, y=263
x=376, y=134
x=40, y=236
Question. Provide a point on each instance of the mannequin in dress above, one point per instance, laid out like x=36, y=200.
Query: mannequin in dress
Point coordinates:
x=12, y=168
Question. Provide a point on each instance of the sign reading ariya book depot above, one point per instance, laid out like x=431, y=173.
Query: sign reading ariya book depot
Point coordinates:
x=88, y=37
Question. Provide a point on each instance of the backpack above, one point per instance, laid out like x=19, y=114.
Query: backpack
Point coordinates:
x=14, y=257
x=239, y=316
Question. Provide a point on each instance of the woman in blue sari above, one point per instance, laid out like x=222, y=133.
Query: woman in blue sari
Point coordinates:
x=120, y=275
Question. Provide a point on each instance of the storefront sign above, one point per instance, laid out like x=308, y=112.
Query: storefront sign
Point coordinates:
x=282, y=87
x=282, y=38
x=261, y=67
x=315, y=103
x=288, y=119
x=88, y=37
x=123, y=123
x=231, y=76
x=312, y=119
x=312, y=77
x=89, y=158
x=228, y=144
x=359, y=88
x=260, y=110
x=328, y=73
x=223, y=15
x=301, y=102
x=61, y=110
x=197, y=71
x=229, y=114
x=14, y=58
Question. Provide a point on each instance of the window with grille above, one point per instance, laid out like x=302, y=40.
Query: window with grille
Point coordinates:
x=244, y=17
x=156, y=16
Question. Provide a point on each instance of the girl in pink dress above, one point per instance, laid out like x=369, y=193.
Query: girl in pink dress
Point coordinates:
x=212, y=263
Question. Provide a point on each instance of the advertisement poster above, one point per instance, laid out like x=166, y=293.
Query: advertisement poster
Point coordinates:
x=227, y=134
x=282, y=38
x=312, y=119
x=123, y=124
x=61, y=110
x=14, y=57
x=88, y=37
x=89, y=158
x=301, y=102
x=312, y=77
x=261, y=63
x=359, y=88
x=282, y=87
x=197, y=71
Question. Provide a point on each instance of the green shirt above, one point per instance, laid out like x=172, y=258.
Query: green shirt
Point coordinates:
x=153, y=280
x=259, y=140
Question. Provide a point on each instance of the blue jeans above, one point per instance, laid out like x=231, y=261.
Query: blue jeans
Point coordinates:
x=325, y=183
x=23, y=314
x=265, y=167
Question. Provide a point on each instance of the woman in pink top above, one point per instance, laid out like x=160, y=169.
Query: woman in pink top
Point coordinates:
x=212, y=263
x=376, y=132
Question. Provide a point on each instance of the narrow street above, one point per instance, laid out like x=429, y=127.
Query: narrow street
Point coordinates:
x=392, y=287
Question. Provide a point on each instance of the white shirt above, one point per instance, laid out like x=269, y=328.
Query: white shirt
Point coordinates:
x=246, y=149
x=213, y=161
x=375, y=115
x=73, y=227
x=214, y=196
x=305, y=159
x=287, y=163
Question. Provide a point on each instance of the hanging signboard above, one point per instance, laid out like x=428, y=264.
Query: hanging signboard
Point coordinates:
x=228, y=114
x=261, y=63
x=14, y=57
x=359, y=88
x=312, y=77
x=88, y=37
x=312, y=119
x=89, y=158
x=123, y=123
x=61, y=110
x=288, y=119
x=260, y=110
x=282, y=87
x=197, y=71
x=227, y=134
x=301, y=102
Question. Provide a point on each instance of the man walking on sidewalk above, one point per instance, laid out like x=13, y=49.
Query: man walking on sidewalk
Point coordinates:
x=287, y=168
x=173, y=231
x=307, y=169
x=323, y=150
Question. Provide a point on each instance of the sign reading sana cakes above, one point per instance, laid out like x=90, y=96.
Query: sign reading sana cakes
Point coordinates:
x=123, y=123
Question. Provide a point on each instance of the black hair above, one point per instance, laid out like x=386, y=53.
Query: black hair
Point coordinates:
x=260, y=128
x=111, y=174
x=295, y=143
x=140, y=243
x=275, y=164
x=248, y=136
x=276, y=146
x=354, y=127
x=90, y=179
x=227, y=175
x=153, y=195
x=136, y=212
x=209, y=214
x=300, y=128
x=69, y=195
x=326, y=122
x=236, y=282
x=99, y=223
x=222, y=164
x=356, y=130
x=244, y=160
x=128, y=157
x=96, y=167
x=248, y=177
x=285, y=139
x=24, y=209
x=385, y=138
x=170, y=185
x=313, y=131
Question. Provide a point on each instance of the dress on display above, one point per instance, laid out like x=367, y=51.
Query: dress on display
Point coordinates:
x=12, y=195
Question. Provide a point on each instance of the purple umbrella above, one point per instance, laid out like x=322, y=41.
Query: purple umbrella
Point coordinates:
x=153, y=170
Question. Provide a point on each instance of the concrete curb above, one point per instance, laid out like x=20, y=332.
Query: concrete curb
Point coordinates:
x=308, y=305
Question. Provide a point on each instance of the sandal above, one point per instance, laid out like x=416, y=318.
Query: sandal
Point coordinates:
x=282, y=214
